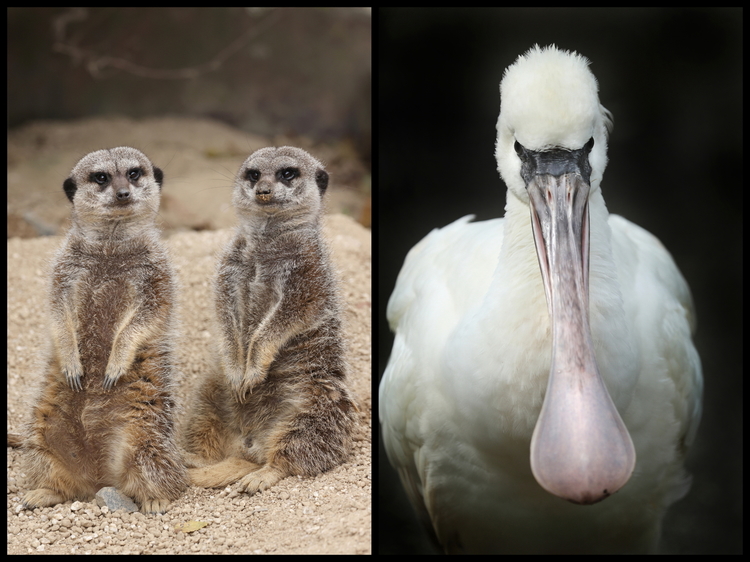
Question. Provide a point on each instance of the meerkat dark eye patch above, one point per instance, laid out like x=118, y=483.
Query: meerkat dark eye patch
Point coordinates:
x=135, y=173
x=287, y=174
x=252, y=175
x=99, y=177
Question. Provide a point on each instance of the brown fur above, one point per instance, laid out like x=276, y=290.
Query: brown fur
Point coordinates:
x=104, y=415
x=278, y=405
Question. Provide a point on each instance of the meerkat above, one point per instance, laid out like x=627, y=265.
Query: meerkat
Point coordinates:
x=104, y=413
x=278, y=404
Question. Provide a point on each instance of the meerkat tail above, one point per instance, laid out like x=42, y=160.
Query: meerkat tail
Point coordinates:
x=221, y=474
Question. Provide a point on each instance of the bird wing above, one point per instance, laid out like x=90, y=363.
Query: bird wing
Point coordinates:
x=664, y=321
x=443, y=276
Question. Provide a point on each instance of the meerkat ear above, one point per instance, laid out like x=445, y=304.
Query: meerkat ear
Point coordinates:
x=69, y=186
x=158, y=176
x=321, y=178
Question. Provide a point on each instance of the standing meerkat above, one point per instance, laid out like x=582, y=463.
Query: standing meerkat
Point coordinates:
x=278, y=405
x=103, y=416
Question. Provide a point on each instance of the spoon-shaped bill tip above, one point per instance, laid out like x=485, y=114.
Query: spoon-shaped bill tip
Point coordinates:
x=580, y=450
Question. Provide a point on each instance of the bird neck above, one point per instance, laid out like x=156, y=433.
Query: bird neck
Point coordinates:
x=518, y=254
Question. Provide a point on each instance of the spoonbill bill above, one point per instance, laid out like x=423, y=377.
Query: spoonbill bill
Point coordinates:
x=543, y=388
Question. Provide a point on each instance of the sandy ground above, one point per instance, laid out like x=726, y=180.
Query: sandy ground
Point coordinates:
x=327, y=514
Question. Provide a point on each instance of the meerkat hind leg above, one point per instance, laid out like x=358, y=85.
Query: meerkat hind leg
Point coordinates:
x=261, y=479
x=42, y=497
x=205, y=440
x=221, y=474
x=54, y=483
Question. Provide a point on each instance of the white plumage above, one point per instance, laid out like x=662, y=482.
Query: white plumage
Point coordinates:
x=471, y=362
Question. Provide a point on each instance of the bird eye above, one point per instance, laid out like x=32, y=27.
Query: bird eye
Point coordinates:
x=134, y=174
x=99, y=177
x=253, y=175
x=518, y=148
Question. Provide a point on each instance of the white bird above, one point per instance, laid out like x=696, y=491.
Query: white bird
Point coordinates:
x=544, y=354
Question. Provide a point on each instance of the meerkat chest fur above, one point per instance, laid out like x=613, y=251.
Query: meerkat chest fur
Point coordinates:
x=104, y=285
x=293, y=264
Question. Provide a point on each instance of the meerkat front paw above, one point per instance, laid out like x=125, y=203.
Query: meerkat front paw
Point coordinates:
x=112, y=375
x=234, y=374
x=72, y=374
x=261, y=479
x=245, y=383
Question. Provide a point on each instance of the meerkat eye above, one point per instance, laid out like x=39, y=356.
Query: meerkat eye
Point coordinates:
x=99, y=177
x=288, y=174
x=134, y=174
x=253, y=175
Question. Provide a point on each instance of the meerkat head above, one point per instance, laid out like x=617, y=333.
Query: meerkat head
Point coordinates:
x=283, y=180
x=115, y=184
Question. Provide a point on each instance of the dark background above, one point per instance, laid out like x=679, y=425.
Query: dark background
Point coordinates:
x=672, y=78
x=296, y=71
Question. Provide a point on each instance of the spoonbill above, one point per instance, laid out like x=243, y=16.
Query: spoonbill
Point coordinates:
x=543, y=388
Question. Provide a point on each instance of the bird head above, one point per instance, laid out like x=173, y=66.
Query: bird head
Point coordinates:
x=550, y=101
